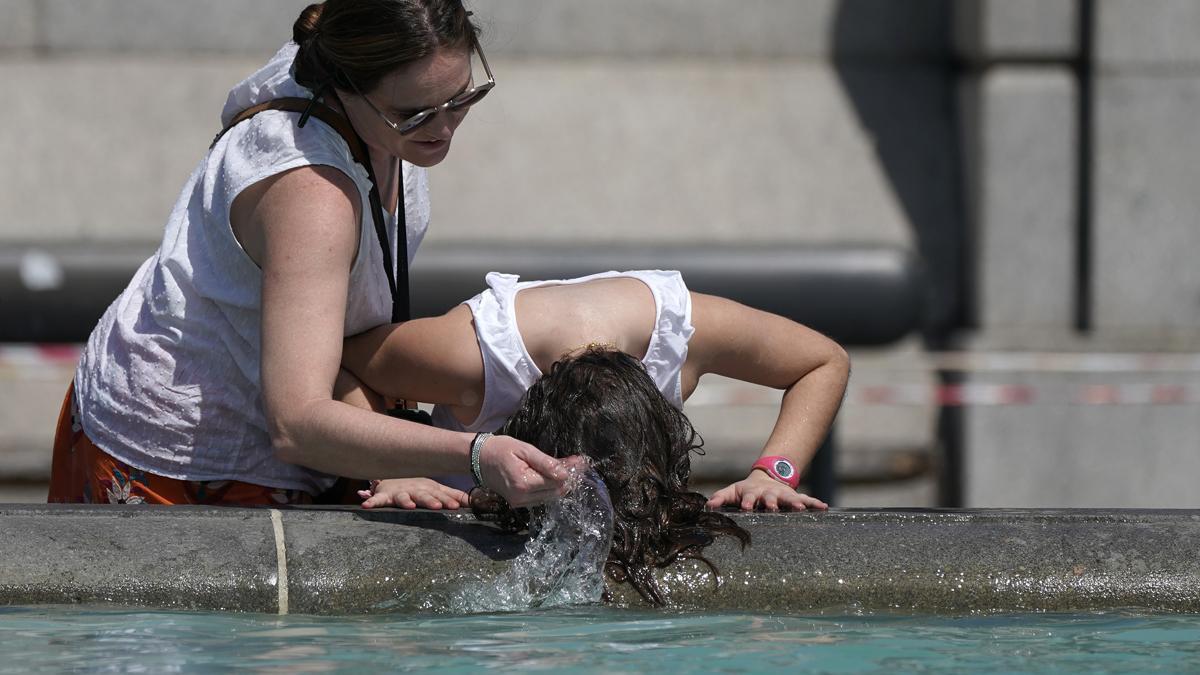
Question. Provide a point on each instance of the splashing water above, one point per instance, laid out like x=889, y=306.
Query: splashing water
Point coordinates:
x=563, y=562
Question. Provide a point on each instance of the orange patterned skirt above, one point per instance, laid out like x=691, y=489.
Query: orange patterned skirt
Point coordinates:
x=82, y=473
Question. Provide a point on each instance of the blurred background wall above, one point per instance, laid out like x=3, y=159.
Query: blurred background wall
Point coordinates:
x=1035, y=157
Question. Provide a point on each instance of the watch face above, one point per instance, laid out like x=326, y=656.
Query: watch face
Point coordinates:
x=783, y=468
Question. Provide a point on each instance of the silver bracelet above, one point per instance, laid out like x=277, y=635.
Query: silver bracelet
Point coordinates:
x=476, y=449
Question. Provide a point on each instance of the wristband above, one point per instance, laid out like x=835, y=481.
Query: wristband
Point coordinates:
x=780, y=468
x=476, y=449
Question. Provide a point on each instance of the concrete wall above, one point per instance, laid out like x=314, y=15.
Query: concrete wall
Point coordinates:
x=1021, y=145
x=1028, y=85
x=1019, y=100
x=644, y=122
x=1147, y=207
x=1087, y=438
x=1082, y=151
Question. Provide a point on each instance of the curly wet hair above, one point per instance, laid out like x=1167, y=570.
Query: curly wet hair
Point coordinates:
x=602, y=404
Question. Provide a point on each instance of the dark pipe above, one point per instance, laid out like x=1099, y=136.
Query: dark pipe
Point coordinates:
x=858, y=296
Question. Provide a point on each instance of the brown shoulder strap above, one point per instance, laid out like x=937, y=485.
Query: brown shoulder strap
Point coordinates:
x=317, y=109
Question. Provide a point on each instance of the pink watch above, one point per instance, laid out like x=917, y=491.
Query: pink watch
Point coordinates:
x=780, y=468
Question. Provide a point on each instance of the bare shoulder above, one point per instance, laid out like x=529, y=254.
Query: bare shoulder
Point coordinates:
x=310, y=184
x=315, y=196
x=710, y=314
x=713, y=318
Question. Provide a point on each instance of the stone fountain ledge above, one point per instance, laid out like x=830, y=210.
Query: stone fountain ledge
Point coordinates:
x=323, y=560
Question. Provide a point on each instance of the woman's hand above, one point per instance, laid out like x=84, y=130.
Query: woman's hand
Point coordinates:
x=760, y=491
x=413, y=493
x=522, y=474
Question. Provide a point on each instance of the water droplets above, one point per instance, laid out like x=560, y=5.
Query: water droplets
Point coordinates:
x=563, y=562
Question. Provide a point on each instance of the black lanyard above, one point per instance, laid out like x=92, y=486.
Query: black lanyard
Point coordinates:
x=397, y=280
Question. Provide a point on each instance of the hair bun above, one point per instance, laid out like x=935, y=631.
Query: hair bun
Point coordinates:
x=305, y=27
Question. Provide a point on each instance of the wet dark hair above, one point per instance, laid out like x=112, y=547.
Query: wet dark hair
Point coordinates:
x=353, y=44
x=603, y=404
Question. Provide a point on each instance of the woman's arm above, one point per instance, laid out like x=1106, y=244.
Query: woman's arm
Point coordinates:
x=432, y=360
x=755, y=346
x=302, y=227
x=406, y=493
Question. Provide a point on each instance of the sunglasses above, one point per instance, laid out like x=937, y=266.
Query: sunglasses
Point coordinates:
x=465, y=99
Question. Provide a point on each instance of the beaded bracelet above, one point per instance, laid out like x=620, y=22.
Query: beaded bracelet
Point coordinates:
x=476, y=449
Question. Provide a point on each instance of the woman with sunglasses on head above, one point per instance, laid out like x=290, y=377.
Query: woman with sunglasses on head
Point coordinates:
x=210, y=379
x=477, y=361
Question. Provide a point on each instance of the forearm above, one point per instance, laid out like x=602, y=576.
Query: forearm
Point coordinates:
x=338, y=438
x=367, y=359
x=807, y=412
x=341, y=439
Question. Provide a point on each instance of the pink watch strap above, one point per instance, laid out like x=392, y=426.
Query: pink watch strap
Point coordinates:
x=780, y=468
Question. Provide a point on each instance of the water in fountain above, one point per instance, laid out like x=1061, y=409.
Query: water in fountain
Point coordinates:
x=563, y=562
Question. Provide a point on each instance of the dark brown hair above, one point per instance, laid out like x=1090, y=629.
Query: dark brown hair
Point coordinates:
x=355, y=43
x=603, y=404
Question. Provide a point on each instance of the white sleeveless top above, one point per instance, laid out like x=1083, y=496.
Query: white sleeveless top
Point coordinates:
x=509, y=371
x=169, y=380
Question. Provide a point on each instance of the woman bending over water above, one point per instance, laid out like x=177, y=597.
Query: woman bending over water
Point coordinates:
x=477, y=361
x=209, y=379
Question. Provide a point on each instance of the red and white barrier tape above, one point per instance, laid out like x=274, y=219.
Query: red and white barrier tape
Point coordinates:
x=32, y=356
x=1056, y=362
x=38, y=362
x=987, y=394
x=972, y=394
x=51, y=361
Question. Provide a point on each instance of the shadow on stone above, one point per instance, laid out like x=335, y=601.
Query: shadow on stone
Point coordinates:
x=894, y=62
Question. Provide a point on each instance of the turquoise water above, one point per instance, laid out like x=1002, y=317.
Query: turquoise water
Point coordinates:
x=53, y=639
